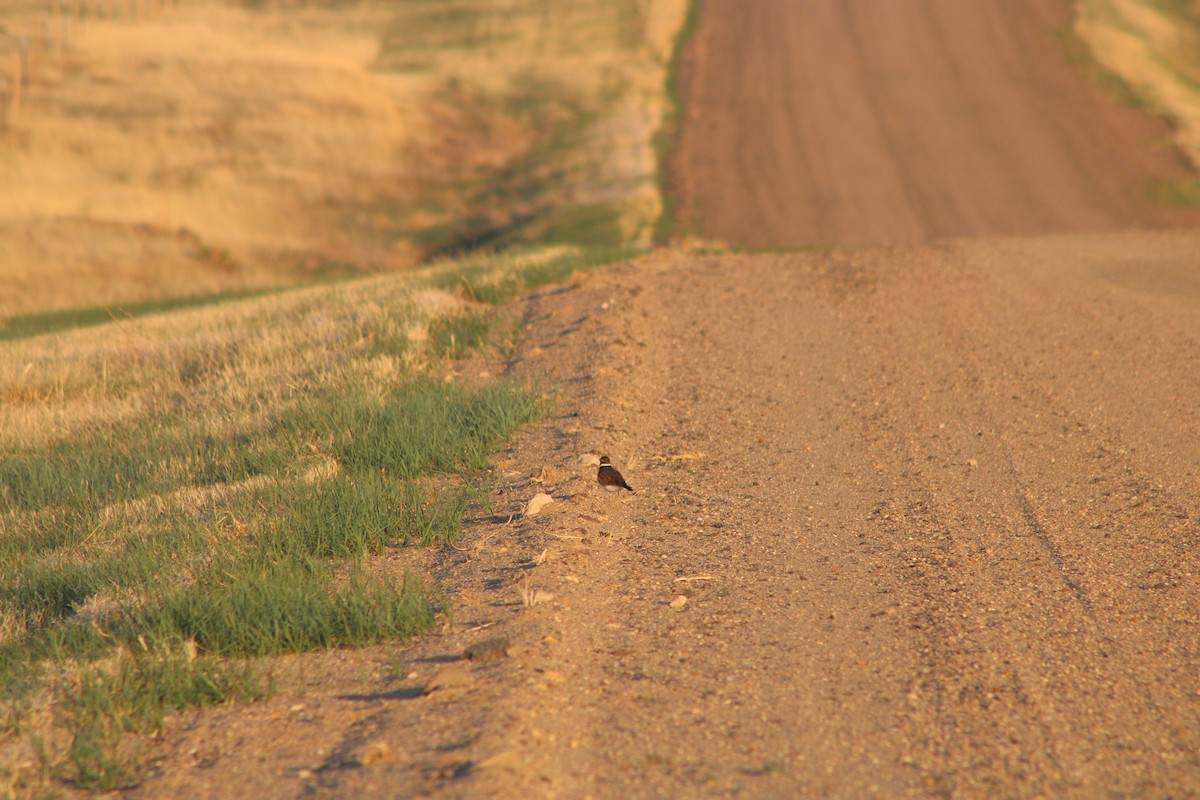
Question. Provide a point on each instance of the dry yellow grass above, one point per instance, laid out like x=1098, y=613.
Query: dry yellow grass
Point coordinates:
x=212, y=147
x=1156, y=50
x=193, y=153
x=266, y=350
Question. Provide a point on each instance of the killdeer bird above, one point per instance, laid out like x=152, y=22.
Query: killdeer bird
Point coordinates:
x=608, y=477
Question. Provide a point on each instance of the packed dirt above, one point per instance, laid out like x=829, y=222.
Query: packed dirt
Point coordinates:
x=914, y=520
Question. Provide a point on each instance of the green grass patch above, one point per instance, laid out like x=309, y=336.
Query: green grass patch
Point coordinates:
x=457, y=336
x=123, y=462
x=592, y=225
x=362, y=514
x=540, y=273
x=423, y=427
x=266, y=566
x=59, y=549
x=254, y=604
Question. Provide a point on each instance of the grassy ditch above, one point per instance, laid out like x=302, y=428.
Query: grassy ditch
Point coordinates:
x=233, y=145
x=185, y=494
x=562, y=101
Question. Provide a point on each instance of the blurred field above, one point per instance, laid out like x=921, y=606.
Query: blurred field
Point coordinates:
x=206, y=147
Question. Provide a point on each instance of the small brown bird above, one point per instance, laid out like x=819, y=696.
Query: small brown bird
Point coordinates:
x=609, y=478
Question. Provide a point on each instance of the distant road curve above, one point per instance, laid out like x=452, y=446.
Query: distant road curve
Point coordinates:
x=878, y=121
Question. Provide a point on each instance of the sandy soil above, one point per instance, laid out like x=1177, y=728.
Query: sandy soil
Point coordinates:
x=933, y=508
x=840, y=121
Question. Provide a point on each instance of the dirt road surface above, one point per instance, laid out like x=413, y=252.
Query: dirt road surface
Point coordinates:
x=910, y=520
x=850, y=121
x=944, y=541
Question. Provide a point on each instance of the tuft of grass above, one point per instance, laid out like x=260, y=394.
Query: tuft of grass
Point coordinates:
x=436, y=522
x=44, y=592
x=553, y=270
x=254, y=605
x=457, y=336
x=345, y=516
x=362, y=514
x=422, y=427
x=499, y=278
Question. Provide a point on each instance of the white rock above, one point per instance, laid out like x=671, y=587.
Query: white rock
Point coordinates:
x=539, y=501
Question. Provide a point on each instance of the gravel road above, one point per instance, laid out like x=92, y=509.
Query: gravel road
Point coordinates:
x=857, y=121
x=917, y=513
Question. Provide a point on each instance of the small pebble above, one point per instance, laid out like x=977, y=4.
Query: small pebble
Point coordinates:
x=373, y=752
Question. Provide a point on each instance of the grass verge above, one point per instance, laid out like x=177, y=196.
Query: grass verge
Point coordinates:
x=186, y=494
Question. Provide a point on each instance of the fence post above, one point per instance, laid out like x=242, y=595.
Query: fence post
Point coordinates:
x=25, y=57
